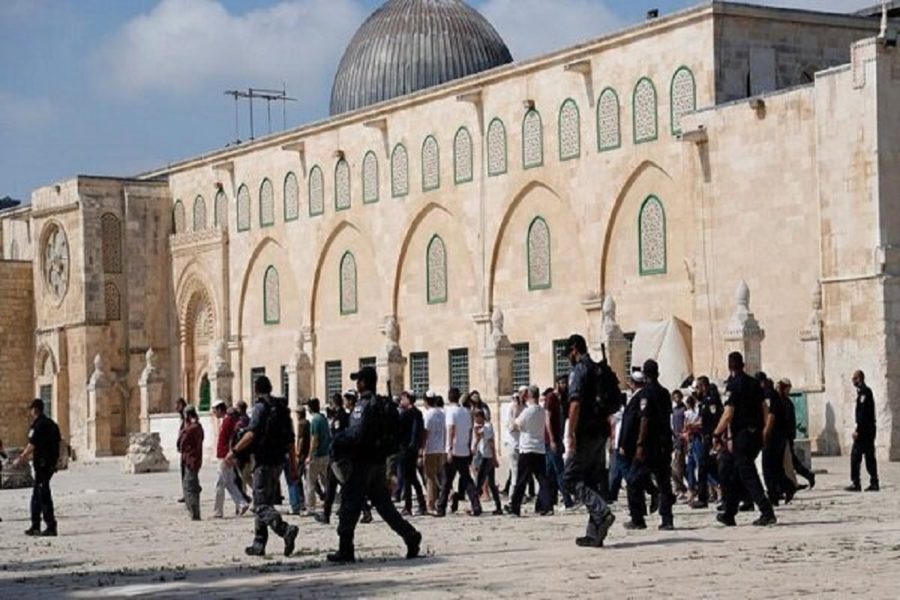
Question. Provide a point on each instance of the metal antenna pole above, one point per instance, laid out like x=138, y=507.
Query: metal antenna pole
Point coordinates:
x=250, y=96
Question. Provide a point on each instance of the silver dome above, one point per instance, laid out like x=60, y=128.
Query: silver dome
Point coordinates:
x=410, y=45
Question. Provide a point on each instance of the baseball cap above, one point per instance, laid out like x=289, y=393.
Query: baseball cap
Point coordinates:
x=367, y=374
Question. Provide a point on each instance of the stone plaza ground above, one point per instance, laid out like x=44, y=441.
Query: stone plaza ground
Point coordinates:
x=125, y=536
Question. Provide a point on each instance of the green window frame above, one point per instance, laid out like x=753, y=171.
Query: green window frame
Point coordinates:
x=532, y=284
x=395, y=192
x=419, y=375
x=266, y=204
x=334, y=377
x=291, y=176
x=651, y=200
x=371, y=193
x=493, y=170
x=342, y=164
x=271, y=285
x=436, y=184
x=348, y=261
x=569, y=102
x=634, y=113
x=521, y=365
x=435, y=297
x=606, y=93
x=458, y=368
x=676, y=127
x=561, y=365
x=533, y=164
x=457, y=140
x=316, y=174
x=243, y=208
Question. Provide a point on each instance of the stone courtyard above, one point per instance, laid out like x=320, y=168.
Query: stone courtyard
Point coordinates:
x=124, y=536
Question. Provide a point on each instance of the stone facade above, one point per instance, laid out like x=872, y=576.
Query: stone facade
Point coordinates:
x=450, y=237
x=16, y=350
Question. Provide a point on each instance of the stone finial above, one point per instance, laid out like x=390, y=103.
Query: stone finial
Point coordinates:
x=497, y=323
x=743, y=323
x=742, y=295
x=392, y=329
x=609, y=308
x=100, y=376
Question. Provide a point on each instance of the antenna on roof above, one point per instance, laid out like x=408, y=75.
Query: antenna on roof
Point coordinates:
x=884, y=21
x=262, y=94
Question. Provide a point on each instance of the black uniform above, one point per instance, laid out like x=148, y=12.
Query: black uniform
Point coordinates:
x=864, y=444
x=585, y=470
x=652, y=403
x=710, y=413
x=737, y=467
x=44, y=437
x=339, y=423
x=778, y=484
x=367, y=477
x=412, y=426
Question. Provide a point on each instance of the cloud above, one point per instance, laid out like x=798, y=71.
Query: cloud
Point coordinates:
x=187, y=46
x=534, y=27
x=19, y=112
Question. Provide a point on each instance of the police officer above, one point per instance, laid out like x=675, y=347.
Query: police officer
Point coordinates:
x=270, y=436
x=648, y=419
x=778, y=486
x=363, y=448
x=744, y=416
x=586, y=444
x=863, y=436
x=43, y=444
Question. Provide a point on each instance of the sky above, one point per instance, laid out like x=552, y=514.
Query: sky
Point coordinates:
x=116, y=87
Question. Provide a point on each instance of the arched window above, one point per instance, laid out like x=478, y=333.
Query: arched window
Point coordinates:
x=538, y=255
x=291, y=197
x=609, y=131
x=316, y=191
x=652, y=237
x=431, y=164
x=532, y=140
x=221, y=210
x=111, y=236
x=569, y=130
x=266, y=203
x=342, y=185
x=370, y=178
x=348, y=284
x=199, y=213
x=462, y=156
x=112, y=301
x=436, y=261
x=645, y=112
x=399, y=171
x=178, y=217
x=682, y=97
x=243, y=208
x=271, y=297
x=496, y=148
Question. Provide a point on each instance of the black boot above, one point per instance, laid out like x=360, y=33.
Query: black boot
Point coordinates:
x=413, y=545
x=344, y=554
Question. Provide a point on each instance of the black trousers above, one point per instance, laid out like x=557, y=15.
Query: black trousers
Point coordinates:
x=863, y=447
x=42, y=499
x=777, y=482
x=265, y=495
x=582, y=479
x=410, y=477
x=368, y=481
x=458, y=466
x=531, y=464
x=739, y=477
x=706, y=464
x=487, y=473
x=799, y=467
x=640, y=482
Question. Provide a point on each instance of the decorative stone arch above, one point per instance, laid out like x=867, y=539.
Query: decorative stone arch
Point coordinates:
x=46, y=379
x=199, y=324
x=246, y=284
x=411, y=228
x=611, y=219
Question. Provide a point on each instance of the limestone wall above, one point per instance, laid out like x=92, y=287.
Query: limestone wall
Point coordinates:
x=16, y=350
x=15, y=234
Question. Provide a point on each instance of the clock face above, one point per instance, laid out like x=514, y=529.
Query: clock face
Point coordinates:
x=56, y=262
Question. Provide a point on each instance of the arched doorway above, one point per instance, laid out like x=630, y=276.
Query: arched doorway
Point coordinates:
x=197, y=335
x=205, y=394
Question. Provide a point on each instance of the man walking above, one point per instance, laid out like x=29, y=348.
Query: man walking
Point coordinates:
x=555, y=451
x=371, y=437
x=710, y=408
x=435, y=450
x=532, y=427
x=319, y=448
x=863, y=436
x=190, y=440
x=270, y=436
x=586, y=443
x=459, y=455
x=778, y=485
x=784, y=391
x=43, y=445
x=412, y=434
x=226, y=477
x=744, y=416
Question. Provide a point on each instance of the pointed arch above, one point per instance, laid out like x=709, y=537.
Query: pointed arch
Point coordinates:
x=463, y=154
x=271, y=297
x=609, y=127
x=538, y=251
x=199, y=214
x=370, y=183
x=569, y=130
x=348, y=280
x=532, y=140
x=112, y=301
x=266, y=203
x=652, y=237
x=682, y=96
x=220, y=216
x=436, y=271
x=645, y=113
x=316, y=191
x=399, y=171
x=291, y=197
x=431, y=164
x=178, y=217
x=498, y=153
x=243, y=208
x=342, y=185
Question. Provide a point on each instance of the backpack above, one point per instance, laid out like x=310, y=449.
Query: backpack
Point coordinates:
x=385, y=428
x=610, y=397
x=277, y=432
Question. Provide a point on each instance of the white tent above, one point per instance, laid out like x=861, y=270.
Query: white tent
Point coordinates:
x=669, y=344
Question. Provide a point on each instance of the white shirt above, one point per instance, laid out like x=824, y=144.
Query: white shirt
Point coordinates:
x=435, y=426
x=460, y=418
x=510, y=438
x=484, y=442
x=531, y=430
x=691, y=416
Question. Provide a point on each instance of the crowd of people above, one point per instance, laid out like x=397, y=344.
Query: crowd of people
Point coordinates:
x=576, y=444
